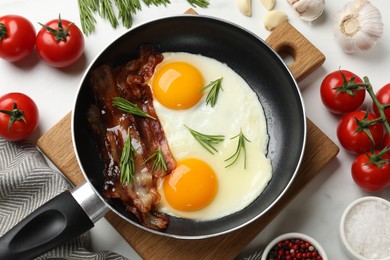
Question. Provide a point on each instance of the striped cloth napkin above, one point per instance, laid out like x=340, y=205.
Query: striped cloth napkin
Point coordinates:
x=26, y=182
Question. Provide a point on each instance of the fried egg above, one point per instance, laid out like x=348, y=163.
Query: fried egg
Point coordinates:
x=203, y=186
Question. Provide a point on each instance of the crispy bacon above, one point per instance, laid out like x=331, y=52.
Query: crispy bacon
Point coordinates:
x=112, y=127
x=131, y=82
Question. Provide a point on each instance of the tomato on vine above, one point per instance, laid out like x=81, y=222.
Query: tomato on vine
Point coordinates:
x=17, y=37
x=341, y=93
x=19, y=116
x=383, y=96
x=371, y=171
x=60, y=43
x=386, y=140
x=359, y=131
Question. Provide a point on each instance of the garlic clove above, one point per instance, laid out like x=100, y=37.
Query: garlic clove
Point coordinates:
x=245, y=7
x=269, y=4
x=358, y=26
x=308, y=10
x=274, y=18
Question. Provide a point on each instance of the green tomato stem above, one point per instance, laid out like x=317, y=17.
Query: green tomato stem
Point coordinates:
x=381, y=108
x=376, y=157
x=14, y=115
x=60, y=34
x=3, y=31
x=357, y=86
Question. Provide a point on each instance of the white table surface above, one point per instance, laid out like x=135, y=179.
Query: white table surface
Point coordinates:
x=316, y=211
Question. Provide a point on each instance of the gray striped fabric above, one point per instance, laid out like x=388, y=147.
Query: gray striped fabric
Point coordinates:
x=26, y=182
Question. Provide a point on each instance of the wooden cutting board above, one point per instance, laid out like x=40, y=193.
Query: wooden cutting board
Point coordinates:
x=57, y=145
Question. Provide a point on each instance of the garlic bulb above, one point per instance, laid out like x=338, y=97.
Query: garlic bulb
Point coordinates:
x=358, y=26
x=308, y=10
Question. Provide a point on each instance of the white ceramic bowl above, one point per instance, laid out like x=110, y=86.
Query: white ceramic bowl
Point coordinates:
x=294, y=235
x=363, y=224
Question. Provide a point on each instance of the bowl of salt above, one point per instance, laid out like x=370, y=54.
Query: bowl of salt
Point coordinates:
x=365, y=229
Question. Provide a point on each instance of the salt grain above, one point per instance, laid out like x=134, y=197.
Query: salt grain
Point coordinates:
x=367, y=229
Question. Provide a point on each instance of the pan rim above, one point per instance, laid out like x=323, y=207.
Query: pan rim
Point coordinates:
x=230, y=24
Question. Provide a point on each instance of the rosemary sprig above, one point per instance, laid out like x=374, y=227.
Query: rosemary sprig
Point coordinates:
x=129, y=107
x=159, y=162
x=126, y=5
x=240, y=147
x=200, y=3
x=87, y=20
x=107, y=12
x=207, y=141
x=93, y=4
x=157, y=2
x=212, y=96
x=126, y=8
x=127, y=165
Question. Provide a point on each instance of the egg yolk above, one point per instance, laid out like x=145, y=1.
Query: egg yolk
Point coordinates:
x=177, y=85
x=191, y=186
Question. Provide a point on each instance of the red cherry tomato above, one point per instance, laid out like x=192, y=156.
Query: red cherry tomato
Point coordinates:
x=355, y=140
x=340, y=100
x=383, y=96
x=386, y=140
x=19, y=116
x=370, y=176
x=60, y=43
x=17, y=37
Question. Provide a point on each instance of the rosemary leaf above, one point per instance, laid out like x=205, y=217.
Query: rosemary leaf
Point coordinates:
x=159, y=162
x=93, y=4
x=200, y=3
x=126, y=9
x=133, y=5
x=87, y=19
x=127, y=165
x=106, y=12
x=207, y=141
x=156, y=2
x=240, y=147
x=212, y=96
x=129, y=107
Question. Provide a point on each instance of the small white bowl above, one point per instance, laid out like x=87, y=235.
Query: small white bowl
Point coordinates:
x=360, y=221
x=294, y=235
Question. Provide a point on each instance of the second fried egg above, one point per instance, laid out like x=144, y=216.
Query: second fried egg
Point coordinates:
x=202, y=187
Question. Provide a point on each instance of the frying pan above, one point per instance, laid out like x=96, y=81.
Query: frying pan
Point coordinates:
x=72, y=213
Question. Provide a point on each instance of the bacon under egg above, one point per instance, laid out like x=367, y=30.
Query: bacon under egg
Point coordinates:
x=112, y=127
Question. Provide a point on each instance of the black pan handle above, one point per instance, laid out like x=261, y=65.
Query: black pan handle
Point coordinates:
x=55, y=222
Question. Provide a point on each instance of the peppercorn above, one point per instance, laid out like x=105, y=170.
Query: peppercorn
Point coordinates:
x=294, y=249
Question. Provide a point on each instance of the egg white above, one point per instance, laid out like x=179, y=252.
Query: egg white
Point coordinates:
x=237, y=108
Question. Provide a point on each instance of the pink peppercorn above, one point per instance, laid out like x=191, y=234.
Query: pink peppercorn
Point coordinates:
x=291, y=249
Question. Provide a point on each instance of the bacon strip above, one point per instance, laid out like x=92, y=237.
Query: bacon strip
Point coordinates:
x=131, y=80
x=112, y=127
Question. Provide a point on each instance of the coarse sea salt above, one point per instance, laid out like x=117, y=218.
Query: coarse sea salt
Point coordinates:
x=367, y=229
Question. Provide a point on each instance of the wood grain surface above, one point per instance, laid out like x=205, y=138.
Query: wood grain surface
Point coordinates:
x=56, y=144
x=286, y=40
